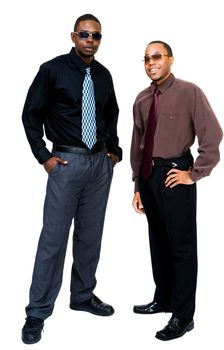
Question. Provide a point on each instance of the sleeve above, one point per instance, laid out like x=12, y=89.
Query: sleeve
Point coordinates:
x=209, y=134
x=112, y=112
x=34, y=114
x=136, y=153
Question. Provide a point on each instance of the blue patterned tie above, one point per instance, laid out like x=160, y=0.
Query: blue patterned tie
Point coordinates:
x=88, y=111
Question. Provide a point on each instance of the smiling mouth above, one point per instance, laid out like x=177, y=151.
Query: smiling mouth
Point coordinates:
x=153, y=70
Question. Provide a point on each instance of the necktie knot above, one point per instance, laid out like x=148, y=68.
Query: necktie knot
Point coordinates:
x=88, y=71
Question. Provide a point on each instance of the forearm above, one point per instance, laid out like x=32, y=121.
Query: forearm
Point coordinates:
x=136, y=157
x=112, y=142
x=204, y=164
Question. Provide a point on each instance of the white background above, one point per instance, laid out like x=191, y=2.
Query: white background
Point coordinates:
x=33, y=32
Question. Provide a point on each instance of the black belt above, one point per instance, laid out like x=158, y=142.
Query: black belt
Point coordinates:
x=172, y=162
x=79, y=150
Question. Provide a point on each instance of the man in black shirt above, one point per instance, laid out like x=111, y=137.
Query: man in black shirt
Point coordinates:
x=80, y=173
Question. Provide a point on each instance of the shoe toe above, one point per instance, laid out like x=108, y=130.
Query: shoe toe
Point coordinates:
x=30, y=338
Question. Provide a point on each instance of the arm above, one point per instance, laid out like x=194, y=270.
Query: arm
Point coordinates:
x=209, y=134
x=136, y=153
x=34, y=113
x=112, y=111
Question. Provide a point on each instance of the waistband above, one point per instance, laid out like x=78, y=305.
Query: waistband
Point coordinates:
x=171, y=162
x=78, y=150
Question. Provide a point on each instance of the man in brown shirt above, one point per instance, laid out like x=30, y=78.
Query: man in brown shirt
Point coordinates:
x=168, y=195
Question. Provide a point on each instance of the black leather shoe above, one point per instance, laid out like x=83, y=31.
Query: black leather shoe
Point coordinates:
x=151, y=308
x=95, y=306
x=175, y=329
x=31, y=332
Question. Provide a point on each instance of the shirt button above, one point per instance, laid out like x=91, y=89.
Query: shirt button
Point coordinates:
x=171, y=117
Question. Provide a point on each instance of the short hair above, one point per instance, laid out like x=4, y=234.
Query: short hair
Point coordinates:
x=86, y=17
x=167, y=47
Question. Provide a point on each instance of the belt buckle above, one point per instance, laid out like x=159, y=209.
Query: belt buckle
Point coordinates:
x=153, y=163
x=174, y=165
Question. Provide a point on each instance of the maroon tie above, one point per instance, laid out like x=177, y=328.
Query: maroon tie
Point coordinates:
x=149, y=137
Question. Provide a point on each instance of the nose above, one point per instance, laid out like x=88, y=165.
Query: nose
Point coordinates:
x=90, y=38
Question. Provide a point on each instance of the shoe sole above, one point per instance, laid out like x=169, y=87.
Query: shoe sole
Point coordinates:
x=187, y=329
x=151, y=313
x=86, y=309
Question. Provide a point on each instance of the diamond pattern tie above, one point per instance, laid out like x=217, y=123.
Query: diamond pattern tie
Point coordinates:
x=88, y=111
x=149, y=137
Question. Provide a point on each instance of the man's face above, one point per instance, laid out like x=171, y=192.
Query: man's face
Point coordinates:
x=157, y=63
x=86, y=47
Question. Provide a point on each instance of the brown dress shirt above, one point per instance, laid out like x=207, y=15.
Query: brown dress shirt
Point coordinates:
x=183, y=113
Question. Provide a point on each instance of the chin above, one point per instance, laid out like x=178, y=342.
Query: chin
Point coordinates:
x=156, y=78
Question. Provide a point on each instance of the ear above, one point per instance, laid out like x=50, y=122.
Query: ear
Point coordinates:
x=73, y=37
x=171, y=59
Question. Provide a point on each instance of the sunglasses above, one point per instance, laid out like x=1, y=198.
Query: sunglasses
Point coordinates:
x=84, y=35
x=155, y=57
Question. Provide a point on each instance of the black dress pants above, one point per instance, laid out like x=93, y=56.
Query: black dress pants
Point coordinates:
x=171, y=216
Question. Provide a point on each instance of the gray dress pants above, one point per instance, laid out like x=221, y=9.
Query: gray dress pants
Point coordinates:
x=79, y=191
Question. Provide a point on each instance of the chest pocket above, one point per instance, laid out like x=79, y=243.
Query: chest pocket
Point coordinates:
x=167, y=126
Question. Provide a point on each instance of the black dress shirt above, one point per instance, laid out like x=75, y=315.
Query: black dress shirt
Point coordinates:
x=54, y=105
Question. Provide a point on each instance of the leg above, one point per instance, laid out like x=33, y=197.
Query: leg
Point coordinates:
x=150, y=191
x=60, y=204
x=181, y=227
x=89, y=221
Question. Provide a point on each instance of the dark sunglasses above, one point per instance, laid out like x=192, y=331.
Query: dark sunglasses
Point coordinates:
x=155, y=57
x=84, y=35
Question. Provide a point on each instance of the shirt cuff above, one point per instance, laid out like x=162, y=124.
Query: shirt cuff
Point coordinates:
x=195, y=176
x=116, y=150
x=43, y=155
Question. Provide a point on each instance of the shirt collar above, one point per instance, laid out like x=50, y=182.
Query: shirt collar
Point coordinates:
x=78, y=62
x=165, y=85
